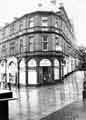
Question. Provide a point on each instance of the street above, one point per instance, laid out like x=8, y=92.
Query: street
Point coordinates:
x=35, y=103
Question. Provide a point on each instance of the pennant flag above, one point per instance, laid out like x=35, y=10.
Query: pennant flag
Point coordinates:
x=53, y=2
x=39, y=4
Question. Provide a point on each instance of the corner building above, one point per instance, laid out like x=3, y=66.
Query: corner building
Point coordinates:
x=37, y=48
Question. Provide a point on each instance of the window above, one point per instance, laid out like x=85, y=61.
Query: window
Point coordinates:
x=3, y=49
x=44, y=43
x=12, y=48
x=57, y=40
x=21, y=45
x=20, y=25
x=31, y=22
x=3, y=33
x=31, y=46
x=11, y=28
x=58, y=22
x=44, y=21
x=58, y=46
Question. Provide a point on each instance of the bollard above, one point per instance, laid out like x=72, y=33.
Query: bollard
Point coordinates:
x=5, y=96
x=84, y=90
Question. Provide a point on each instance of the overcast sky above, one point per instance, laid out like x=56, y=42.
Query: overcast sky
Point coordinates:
x=75, y=8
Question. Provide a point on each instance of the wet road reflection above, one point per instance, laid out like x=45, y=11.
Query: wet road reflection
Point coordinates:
x=36, y=102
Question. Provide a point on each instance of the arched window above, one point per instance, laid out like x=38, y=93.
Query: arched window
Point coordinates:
x=45, y=62
x=22, y=64
x=32, y=73
x=32, y=63
x=22, y=72
x=56, y=69
x=56, y=63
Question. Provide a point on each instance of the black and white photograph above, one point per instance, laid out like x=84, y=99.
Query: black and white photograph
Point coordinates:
x=42, y=60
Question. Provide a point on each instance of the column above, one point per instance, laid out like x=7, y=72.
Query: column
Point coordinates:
x=18, y=73
x=52, y=67
x=60, y=74
x=26, y=71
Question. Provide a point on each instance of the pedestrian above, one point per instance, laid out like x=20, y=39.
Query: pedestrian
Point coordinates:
x=9, y=81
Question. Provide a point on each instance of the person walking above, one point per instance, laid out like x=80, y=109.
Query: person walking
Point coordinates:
x=9, y=81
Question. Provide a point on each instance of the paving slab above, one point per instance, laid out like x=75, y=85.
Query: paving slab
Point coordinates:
x=74, y=111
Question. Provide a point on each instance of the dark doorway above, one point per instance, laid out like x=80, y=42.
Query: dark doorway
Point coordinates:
x=45, y=73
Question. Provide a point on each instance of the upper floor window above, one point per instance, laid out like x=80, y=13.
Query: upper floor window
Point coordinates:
x=31, y=46
x=12, y=28
x=20, y=25
x=57, y=22
x=12, y=48
x=3, y=33
x=44, y=21
x=44, y=42
x=3, y=49
x=58, y=46
x=21, y=45
x=63, y=26
x=57, y=40
x=31, y=22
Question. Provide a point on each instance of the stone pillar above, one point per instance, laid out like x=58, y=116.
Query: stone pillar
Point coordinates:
x=18, y=73
x=62, y=69
x=26, y=71
x=6, y=70
x=38, y=72
x=52, y=68
x=60, y=74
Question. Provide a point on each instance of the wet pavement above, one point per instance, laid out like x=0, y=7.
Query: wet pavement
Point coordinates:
x=35, y=103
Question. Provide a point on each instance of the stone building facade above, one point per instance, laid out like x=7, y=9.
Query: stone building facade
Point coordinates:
x=37, y=48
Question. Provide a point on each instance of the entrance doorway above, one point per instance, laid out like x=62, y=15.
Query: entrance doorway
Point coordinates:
x=45, y=71
x=47, y=74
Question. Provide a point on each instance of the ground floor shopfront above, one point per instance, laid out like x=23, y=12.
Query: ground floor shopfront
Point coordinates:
x=30, y=71
x=34, y=70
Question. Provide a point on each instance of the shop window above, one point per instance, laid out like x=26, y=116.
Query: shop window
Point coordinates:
x=56, y=69
x=45, y=62
x=56, y=63
x=22, y=72
x=32, y=63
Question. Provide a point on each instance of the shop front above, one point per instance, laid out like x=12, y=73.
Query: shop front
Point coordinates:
x=45, y=71
x=32, y=72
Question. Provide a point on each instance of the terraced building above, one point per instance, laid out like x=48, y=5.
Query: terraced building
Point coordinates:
x=38, y=48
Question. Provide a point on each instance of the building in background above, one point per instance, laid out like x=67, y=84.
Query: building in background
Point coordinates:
x=38, y=48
